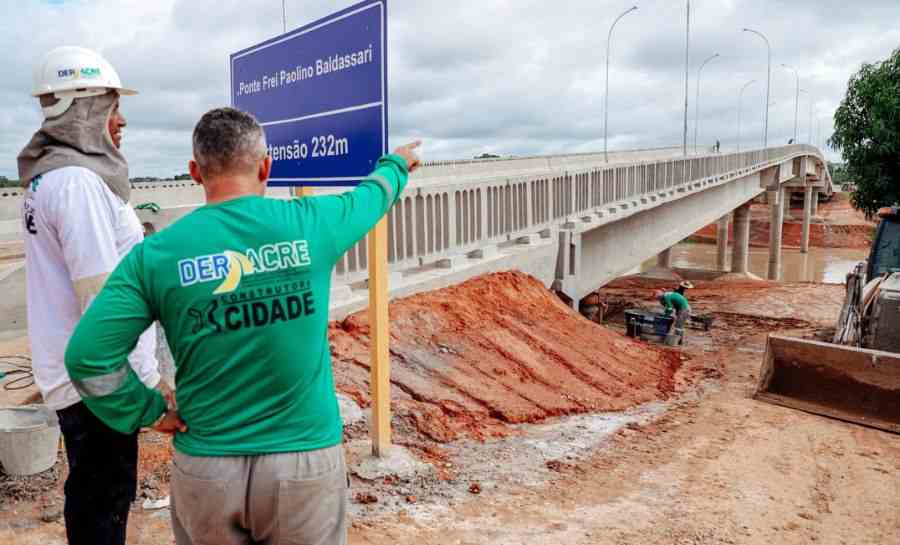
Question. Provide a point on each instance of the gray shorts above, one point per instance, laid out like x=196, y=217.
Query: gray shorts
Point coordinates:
x=681, y=317
x=274, y=499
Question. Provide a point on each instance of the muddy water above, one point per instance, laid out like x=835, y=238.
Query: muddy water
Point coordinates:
x=826, y=265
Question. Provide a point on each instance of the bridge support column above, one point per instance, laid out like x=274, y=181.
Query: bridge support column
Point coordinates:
x=815, y=202
x=568, y=265
x=807, y=216
x=786, y=195
x=722, y=243
x=776, y=219
x=740, y=253
x=664, y=259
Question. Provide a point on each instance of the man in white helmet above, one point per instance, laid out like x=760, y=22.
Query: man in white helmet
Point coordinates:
x=78, y=225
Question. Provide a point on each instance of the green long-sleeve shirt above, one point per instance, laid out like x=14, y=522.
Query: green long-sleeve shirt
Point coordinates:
x=674, y=300
x=242, y=290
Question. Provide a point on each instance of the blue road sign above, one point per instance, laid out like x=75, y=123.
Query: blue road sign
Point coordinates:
x=320, y=92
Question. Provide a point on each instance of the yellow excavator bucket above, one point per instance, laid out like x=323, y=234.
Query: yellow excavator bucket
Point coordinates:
x=851, y=384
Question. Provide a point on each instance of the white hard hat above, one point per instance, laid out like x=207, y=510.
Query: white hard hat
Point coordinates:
x=70, y=72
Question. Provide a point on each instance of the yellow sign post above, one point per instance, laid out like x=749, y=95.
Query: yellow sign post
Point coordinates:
x=380, y=381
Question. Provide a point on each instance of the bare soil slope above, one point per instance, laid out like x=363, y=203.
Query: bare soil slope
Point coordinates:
x=499, y=349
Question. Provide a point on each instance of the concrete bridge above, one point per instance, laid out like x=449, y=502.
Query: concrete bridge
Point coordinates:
x=574, y=221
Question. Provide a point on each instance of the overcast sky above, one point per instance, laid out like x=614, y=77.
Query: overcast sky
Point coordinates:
x=471, y=76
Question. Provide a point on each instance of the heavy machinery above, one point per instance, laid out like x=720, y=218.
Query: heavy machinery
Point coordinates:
x=856, y=377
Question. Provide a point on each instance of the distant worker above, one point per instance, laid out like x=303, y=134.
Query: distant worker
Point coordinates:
x=78, y=224
x=718, y=146
x=674, y=301
x=241, y=287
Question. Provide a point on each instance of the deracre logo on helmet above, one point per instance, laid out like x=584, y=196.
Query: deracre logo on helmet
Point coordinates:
x=88, y=72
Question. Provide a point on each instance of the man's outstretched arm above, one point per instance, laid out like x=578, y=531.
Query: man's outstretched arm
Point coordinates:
x=350, y=215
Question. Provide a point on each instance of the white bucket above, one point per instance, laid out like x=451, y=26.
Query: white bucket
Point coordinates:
x=29, y=439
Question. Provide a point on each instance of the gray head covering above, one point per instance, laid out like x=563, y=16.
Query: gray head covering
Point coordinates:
x=78, y=138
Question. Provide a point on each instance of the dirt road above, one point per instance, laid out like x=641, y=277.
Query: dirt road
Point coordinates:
x=722, y=470
x=717, y=469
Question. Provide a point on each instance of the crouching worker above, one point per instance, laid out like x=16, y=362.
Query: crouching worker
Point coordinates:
x=241, y=287
x=674, y=301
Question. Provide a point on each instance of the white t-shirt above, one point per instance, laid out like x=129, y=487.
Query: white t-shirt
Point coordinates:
x=76, y=231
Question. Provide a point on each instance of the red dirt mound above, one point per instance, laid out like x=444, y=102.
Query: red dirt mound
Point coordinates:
x=841, y=227
x=715, y=287
x=499, y=349
x=637, y=290
x=821, y=235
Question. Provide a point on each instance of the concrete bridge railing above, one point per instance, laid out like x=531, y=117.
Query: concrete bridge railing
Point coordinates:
x=443, y=217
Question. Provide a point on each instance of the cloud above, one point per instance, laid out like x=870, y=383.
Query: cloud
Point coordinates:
x=512, y=77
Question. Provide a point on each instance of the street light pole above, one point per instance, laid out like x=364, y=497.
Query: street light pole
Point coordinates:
x=807, y=93
x=819, y=133
x=283, y=17
x=768, y=83
x=697, y=101
x=606, y=92
x=822, y=133
x=687, y=62
x=811, y=109
x=796, y=100
x=740, y=102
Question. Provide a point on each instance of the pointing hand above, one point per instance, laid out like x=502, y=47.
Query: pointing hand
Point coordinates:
x=408, y=153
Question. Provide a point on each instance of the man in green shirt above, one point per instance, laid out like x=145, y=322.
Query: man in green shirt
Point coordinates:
x=674, y=301
x=241, y=287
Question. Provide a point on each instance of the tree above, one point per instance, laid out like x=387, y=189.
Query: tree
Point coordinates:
x=867, y=133
x=838, y=173
x=6, y=182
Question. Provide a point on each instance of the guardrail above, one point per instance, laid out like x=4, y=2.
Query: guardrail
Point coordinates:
x=440, y=218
